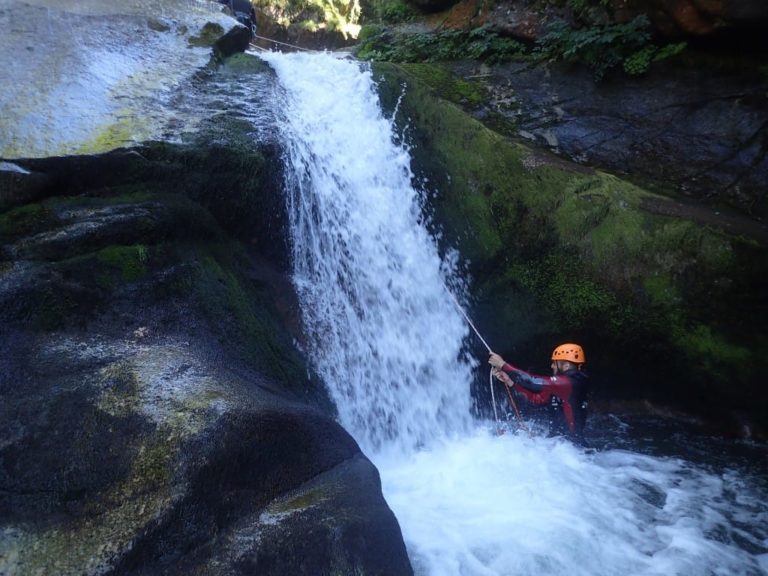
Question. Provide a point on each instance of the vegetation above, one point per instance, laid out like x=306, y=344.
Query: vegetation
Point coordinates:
x=340, y=16
x=605, y=47
x=589, y=41
x=479, y=44
x=447, y=85
x=389, y=12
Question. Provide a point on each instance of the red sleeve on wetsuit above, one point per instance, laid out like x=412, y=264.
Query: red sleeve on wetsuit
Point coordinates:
x=541, y=396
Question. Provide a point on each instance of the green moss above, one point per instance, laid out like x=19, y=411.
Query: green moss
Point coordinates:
x=245, y=314
x=242, y=63
x=124, y=132
x=447, y=86
x=574, y=298
x=661, y=291
x=585, y=205
x=129, y=260
x=715, y=251
x=713, y=354
x=157, y=25
x=208, y=36
x=300, y=502
x=26, y=220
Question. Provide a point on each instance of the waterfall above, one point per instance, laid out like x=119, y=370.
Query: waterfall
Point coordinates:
x=385, y=335
x=382, y=328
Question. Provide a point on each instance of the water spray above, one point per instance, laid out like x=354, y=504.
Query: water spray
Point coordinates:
x=490, y=375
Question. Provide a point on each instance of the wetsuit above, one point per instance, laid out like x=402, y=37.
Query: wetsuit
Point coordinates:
x=565, y=394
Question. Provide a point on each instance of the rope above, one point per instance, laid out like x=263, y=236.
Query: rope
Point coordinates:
x=493, y=397
x=278, y=42
x=520, y=421
x=490, y=374
x=470, y=322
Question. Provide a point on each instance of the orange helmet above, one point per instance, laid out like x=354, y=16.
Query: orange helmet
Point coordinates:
x=571, y=352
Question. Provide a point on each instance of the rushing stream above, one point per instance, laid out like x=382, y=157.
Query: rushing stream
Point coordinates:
x=386, y=336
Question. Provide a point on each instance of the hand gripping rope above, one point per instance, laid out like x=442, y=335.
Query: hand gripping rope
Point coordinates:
x=490, y=374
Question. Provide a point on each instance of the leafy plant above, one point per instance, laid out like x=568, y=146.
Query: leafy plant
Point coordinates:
x=605, y=47
x=336, y=15
x=395, y=11
x=478, y=44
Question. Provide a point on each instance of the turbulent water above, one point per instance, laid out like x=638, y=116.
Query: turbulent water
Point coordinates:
x=387, y=337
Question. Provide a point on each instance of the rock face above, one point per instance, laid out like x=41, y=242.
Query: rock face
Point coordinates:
x=690, y=129
x=657, y=267
x=669, y=304
x=85, y=76
x=156, y=416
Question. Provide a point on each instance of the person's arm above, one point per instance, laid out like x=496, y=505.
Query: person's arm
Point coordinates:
x=531, y=386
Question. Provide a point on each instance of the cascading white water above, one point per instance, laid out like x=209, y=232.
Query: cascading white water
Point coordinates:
x=386, y=337
x=383, y=330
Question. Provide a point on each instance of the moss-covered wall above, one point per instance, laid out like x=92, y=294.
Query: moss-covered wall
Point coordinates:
x=668, y=309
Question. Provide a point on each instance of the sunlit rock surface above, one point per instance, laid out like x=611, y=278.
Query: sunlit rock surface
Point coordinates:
x=83, y=76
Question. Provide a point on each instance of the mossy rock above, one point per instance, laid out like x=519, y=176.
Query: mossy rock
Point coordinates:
x=671, y=309
x=25, y=220
x=245, y=64
x=209, y=34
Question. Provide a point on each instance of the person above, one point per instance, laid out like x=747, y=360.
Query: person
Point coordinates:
x=565, y=392
x=244, y=12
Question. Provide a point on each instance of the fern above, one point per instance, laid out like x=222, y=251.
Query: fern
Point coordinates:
x=478, y=44
x=605, y=47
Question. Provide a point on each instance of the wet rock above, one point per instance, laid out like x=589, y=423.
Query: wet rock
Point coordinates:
x=19, y=186
x=234, y=41
x=155, y=414
x=87, y=76
x=691, y=130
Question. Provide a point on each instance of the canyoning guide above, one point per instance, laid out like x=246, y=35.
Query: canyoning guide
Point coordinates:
x=565, y=392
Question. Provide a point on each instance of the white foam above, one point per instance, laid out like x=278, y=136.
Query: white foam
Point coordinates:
x=486, y=505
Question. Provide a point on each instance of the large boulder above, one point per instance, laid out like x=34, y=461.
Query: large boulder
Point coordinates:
x=155, y=414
